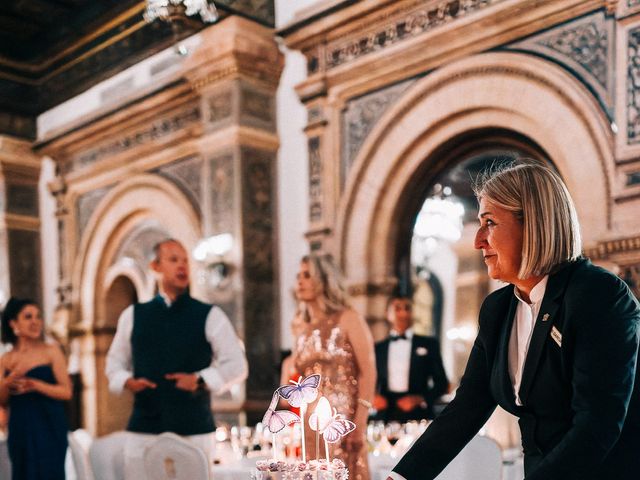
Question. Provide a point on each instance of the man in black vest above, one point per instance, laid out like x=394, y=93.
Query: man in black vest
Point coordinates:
x=172, y=352
x=410, y=371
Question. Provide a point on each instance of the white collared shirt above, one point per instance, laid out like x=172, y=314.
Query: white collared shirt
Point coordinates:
x=524, y=321
x=228, y=365
x=399, y=362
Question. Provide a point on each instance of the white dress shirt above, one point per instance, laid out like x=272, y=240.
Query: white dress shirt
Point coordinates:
x=524, y=321
x=399, y=362
x=228, y=365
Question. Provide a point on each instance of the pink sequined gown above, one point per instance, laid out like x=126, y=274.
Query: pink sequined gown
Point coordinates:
x=322, y=348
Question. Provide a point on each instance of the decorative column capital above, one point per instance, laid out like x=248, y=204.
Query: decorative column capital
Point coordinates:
x=235, y=47
x=17, y=156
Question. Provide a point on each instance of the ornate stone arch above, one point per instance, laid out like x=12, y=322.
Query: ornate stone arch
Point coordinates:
x=529, y=96
x=140, y=198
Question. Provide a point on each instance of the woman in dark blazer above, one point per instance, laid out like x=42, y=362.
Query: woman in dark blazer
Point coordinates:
x=557, y=347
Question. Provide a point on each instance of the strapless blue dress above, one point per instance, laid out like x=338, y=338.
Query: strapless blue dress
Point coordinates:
x=37, y=440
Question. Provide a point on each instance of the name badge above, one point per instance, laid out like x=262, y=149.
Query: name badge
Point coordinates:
x=556, y=335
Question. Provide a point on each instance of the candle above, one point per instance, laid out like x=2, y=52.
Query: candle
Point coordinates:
x=322, y=418
x=303, y=414
x=275, y=448
x=299, y=394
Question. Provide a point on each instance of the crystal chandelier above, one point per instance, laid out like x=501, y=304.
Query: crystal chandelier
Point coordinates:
x=169, y=10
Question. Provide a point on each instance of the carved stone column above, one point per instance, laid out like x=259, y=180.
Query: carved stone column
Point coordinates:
x=19, y=220
x=235, y=74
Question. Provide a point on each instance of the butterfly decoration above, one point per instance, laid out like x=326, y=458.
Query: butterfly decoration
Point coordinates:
x=276, y=420
x=305, y=390
x=334, y=428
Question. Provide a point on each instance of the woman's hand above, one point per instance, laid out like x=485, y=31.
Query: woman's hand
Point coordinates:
x=23, y=385
x=6, y=384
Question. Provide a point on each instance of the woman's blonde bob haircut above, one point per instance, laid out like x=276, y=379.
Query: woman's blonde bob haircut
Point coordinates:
x=540, y=199
x=332, y=295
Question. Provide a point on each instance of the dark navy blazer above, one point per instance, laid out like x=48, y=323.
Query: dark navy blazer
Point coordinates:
x=580, y=418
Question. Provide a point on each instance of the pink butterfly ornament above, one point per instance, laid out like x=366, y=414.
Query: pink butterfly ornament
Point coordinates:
x=276, y=420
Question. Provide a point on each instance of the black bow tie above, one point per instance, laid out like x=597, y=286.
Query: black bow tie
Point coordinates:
x=402, y=336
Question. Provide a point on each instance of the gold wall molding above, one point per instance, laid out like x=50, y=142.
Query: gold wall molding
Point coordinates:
x=605, y=249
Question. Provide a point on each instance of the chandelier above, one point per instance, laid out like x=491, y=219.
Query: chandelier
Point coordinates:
x=169, y=10
x=439, y=222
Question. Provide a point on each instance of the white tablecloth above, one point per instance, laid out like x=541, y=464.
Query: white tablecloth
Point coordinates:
x=512, y=469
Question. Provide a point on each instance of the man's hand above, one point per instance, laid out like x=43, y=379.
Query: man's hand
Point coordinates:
x=380, y=403
x=184, y=381
x=138, y=384
x=409, y=402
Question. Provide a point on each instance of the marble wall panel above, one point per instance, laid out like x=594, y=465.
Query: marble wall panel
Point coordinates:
x=22, y=199
x=633, y=87
x=222, y=192
x=584, y=47
x=186, y=174
x=358, y=119
x=85, y=206
x=24, y=264
x=259, y=269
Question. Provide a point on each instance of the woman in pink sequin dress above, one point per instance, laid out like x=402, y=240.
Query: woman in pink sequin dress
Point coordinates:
x=335, y=341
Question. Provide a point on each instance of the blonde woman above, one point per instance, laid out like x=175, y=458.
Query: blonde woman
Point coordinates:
x=557, y=347
x=334, y=341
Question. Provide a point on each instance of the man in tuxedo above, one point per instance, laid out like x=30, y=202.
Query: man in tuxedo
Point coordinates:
x=410, y=371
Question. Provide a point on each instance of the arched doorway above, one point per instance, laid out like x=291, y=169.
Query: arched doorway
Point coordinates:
x=444, y=274
x=495, y=98
x=113, y=410
x=446, y=123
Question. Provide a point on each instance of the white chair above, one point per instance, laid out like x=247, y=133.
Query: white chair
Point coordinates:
x=79, y=444
x=173, y=458
x=5, y=463
x=107, y=456
x=481, y=459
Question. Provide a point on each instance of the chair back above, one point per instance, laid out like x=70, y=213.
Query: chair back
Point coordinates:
x=79, y=444
x=481, y=459
x=5, y=463
x=173, y=458
x=107, y=456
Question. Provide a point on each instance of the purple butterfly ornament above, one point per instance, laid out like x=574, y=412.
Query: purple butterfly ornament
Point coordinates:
x=334, y=428
x=304, y=390
x=276, y=420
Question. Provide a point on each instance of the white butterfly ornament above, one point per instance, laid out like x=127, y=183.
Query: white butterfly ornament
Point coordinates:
x=333, y=428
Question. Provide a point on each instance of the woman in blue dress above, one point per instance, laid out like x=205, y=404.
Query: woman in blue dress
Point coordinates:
x=33, y=383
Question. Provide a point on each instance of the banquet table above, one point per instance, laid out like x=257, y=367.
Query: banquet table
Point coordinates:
x=380, y=466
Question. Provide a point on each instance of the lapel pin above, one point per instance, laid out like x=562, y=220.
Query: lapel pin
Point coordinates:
x=545, y=317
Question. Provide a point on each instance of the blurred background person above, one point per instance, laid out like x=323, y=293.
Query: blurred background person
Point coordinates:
x=172, y=392
x=33, y=383
x=335, y=342
x=411, y=375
